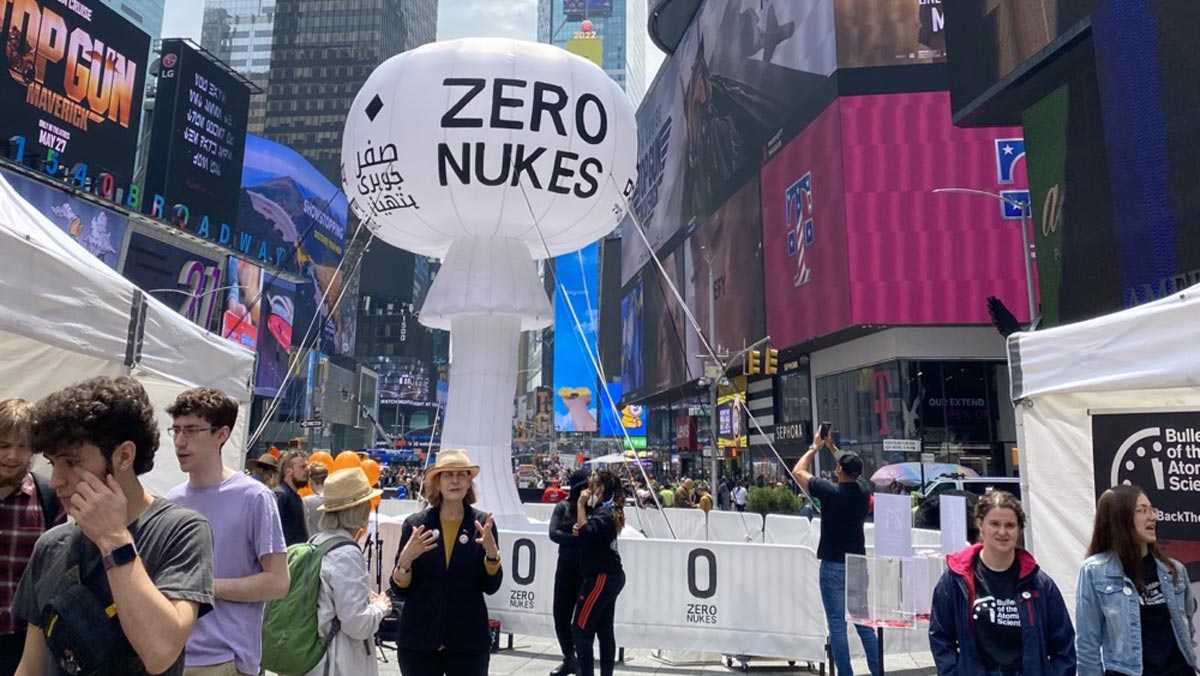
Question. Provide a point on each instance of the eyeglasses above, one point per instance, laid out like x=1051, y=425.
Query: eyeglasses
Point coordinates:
x=188, y=432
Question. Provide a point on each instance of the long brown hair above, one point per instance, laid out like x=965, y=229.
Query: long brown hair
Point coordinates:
x=1113, y=532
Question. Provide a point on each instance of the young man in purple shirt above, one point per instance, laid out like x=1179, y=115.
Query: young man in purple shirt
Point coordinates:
x=249, y=554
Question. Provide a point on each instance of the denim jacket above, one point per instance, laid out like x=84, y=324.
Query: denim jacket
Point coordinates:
x=1108, y=616
x=1047, y=638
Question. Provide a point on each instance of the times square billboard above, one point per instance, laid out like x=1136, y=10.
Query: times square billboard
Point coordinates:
x=76, y=74
x=853, y=233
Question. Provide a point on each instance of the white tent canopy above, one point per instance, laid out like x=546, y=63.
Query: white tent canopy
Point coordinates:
x=1103, y=402
x=65, y=317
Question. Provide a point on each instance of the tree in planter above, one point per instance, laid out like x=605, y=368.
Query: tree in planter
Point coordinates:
x=777, y=500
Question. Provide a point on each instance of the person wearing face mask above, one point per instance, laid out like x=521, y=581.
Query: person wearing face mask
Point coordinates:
x=449, y=558
x=567, y=577
x=599, y=519
x=995, y=613
x=1133, y=603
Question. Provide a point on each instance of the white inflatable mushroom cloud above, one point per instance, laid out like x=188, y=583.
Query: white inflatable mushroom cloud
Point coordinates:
x=488, y=153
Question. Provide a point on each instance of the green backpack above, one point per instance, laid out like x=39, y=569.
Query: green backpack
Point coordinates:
x=291, y=644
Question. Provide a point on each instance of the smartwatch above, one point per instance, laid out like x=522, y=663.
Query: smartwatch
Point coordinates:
x=120, y=556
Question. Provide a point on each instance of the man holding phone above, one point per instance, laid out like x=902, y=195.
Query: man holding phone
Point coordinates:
x=844, y=507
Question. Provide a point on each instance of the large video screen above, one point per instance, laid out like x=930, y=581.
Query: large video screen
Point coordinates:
x=989, y=39
x=739, y=73
x=893, y=252
x=189, y=282
x=76, y=77
x=575, y=10
x=625, y=420
x=576, y=397
x=99, y=231
x=286, y=203
x=199, y=133
x=896, y=32
x=804, y=235
x=275, y=335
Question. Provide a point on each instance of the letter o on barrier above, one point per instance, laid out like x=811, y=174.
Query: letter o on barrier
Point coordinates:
x=710, y=588
x=527, y=544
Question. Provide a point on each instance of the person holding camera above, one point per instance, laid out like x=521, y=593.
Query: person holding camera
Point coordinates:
x=844, y=507
x=119, y=590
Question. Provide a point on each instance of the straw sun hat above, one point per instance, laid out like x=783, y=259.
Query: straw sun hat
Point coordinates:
x=451, y=459
x=346, y=488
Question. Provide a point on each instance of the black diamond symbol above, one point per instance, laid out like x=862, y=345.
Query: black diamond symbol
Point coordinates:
x=374, y=107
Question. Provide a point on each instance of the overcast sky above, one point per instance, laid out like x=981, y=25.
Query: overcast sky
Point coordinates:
x=456, y=19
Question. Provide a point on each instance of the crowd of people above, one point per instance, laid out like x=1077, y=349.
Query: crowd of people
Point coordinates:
x=194, y=582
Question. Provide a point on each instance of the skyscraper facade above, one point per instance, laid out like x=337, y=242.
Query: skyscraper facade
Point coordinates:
x=146, y=14
x=622, y=30
x=321, y=55
x=239, y=32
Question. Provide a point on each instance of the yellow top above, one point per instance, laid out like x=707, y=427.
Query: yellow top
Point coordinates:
x=449, y=535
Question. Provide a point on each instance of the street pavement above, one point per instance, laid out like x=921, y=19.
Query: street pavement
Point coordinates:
x=536, y=656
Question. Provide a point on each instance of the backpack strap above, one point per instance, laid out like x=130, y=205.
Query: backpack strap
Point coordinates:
x=51, y=508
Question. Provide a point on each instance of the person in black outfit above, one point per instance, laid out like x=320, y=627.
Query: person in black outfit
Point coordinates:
x=567, y=577
x=291, y=505
x=844, y=507
x=599, y=519
x=449, y=558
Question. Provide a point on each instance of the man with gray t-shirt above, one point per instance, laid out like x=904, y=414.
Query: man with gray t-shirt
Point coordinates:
x=250, y=556
x=149, y=559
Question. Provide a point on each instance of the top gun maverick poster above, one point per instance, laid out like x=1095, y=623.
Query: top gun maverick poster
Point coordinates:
x=73, y=88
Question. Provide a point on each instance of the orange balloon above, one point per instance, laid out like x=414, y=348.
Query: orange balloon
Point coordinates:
x=322, y=457
x=372, y=469
x=274, y=452
x=375, y=502
x=305, y=492
x=346, y=460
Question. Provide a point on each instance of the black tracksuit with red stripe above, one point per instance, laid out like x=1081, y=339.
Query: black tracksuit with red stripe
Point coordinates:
x=603, y=579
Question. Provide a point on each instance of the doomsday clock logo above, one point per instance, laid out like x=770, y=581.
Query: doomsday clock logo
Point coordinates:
x=1139, y=460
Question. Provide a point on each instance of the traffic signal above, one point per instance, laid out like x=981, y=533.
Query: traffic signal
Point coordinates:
x=753, y=362
x=771, y=366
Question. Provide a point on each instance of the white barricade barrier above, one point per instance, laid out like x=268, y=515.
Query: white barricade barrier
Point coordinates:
x=735, y=526
x=538, y=511
x=790, y=530
x=650, y=522
x=397, y=507
x=726, y=597
x=688, y=524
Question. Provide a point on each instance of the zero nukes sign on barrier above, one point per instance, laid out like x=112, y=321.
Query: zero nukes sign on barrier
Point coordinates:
x=1160, y=453
x=73, y=84
x=488, y=137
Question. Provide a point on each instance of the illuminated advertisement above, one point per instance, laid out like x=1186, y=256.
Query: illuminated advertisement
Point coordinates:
x=99, y=231
x=633, y=377
x=991, y=38
x=731, y=421
x=75, y=80
x=863, y=242
x=873, y=33
x=275, y=336
x=198, y=136
x=628, y=420
x=286, y=203
x=182, y=279
x=730, y=241
x=243, y=315
x=742, y=67
x=402, y=380
x=576, y=397
x=574, y=10
x=806, y=278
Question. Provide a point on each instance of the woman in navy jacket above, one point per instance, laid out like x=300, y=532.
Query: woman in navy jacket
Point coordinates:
x=995, y=613
x=449, y=559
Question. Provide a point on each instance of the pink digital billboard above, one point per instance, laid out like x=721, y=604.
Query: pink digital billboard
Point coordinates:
x=907, y=255
x=805, y=260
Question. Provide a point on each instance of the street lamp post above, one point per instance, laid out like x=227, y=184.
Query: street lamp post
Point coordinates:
x=1025, y=212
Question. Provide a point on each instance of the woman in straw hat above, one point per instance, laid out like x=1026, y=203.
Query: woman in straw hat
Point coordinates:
x=345, y=586
x=449, y=558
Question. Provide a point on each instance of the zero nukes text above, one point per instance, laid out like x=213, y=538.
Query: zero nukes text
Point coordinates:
x=514, y=104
